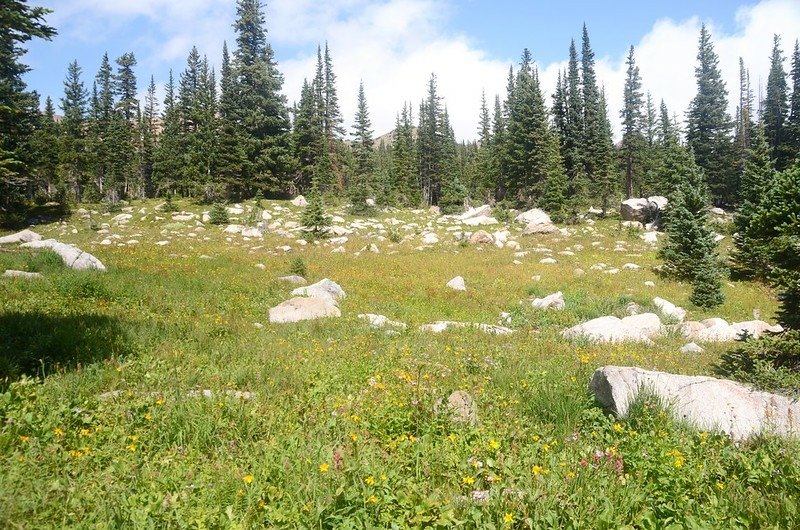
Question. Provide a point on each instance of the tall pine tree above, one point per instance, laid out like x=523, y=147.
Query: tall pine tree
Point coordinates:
x=775, y=107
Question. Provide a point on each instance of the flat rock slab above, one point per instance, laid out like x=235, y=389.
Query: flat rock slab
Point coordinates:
x=301, y=308
x=380, y=321
x=25, y=236
x=72, y=257
x=10, y=273
x=707, y=403
x=635, y=328
x=295, y=279
x=718, y=329
x=444, y=325
x=553, y=301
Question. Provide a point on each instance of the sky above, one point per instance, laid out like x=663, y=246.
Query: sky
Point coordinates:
x=395, y=45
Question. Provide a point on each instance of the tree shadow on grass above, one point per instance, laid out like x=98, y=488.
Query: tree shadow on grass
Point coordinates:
x=36, y=344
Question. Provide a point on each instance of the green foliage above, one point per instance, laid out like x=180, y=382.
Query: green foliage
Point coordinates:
x=359, y=193
x=298, y=267
x=453, y=195
x=706, y=284
x=218, y=215
x=769, y=363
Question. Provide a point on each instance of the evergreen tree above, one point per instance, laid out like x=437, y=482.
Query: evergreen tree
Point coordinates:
x=573, y=138
x=594, y=148
x=498, y=149
x=19, y=111
x=362, y=137
x=776, y=108
x=315, y=222
x=149, y=135
x=690, y=241
x=307, y=138
x=231, y=156
x=606, y=180
x=482, y=183
x=44, y=144
x=125, y=82
x=633, y=142
x=404, y=170
x=218, y=215
x=453, y=192
x=757, y=179
x=260, y=108
x=707, y=284
x=744, y=116
x=168, y=159
x=431, y=143
x=709, y=124
x=333, y=115
x=652, y=151
x=72, y=155
x=793, y=122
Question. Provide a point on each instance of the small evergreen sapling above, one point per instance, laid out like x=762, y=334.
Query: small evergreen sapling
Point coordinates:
x=297, y=267
x=315, y=222
x=218, y=214
x=706, y=285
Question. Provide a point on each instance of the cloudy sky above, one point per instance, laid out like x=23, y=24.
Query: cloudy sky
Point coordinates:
x=394, y=45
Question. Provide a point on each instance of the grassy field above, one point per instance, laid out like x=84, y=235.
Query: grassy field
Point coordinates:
x=339, y=429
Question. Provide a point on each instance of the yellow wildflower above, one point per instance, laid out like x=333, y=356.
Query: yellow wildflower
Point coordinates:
x=372, y=499
x=370, y=480
x=468, y=480
x=539, y=470
x=24, y=439
x=494, y=444
x=508, y=518
x=324, y=467
x=617, y=427
x=58, y=431
x=248, y=479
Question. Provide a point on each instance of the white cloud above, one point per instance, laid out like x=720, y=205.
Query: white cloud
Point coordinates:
x=394, y=46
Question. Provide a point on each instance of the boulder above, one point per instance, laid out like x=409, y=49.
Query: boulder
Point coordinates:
x=634, y=210
x=553, y=301
x=380, y=321
x=183, y=216
x=444, y=325
x=430, y=239
x=234, y=210
x=481, y=237
x=539, y=228
x=480, y=211
x=121, y=218
x=480, y=221
x=72, y=257
x=668, y=309
x=252, y=232
x=10, y=273
x=692, y=348
x=460, y=407
x=300, y=308
x=534, y=216
x=634, y=328
x=25, y=236
x=457, y=284
x=325, y=289
x=718, y=330
x=706, y=403
x=300, y=201
x=233, y=229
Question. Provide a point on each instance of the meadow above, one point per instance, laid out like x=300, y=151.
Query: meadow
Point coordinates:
x=158, y=395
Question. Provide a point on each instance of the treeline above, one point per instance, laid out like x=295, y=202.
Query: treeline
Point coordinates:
x=228, y=135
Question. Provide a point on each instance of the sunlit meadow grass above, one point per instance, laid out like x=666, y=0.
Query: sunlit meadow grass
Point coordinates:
x=340, y=430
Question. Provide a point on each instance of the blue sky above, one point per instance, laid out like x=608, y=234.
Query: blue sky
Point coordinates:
x=394, y=45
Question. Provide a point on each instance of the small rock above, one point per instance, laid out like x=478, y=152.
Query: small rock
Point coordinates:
x=457, y=284
x=10, y=273
x=692, y=348
x=295, y=279
x=460, y=407
x=553, y=301
x=301, y=308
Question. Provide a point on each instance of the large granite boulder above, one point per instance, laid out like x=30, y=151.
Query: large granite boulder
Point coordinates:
x=553, y=301
x=481, y=237
x=325, y=289
x=481, y=211
x=705, y=402
x=719, y=330
x=533, y=216
x=301, y=308
x=72, y=257
x=634, y=328
x=668, y=309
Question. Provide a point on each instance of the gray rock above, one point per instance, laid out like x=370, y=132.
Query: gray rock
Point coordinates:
x=480, y=221
x=481, y=211
x=301, y=308
x=668, y=309
x=444, y=325
x=539, y=228
x=295, y=279
x=300, y=201
x=692, y=348
x=10, y=273
x=25, y=236
x=252, y=232
x=457, y=284
x=553, y=301
x=705, y=402
x=718, y=330
x=460, y=407
x=324, y=289
x=481, y=237
x=72, y=257
x=534, y=216
x=634, y=210
x=380, y=321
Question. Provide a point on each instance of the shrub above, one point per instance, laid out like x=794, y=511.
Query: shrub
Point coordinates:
x=315, y=222
x=298, y=267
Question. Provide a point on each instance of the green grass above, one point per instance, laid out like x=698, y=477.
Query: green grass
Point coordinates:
x=340, y=432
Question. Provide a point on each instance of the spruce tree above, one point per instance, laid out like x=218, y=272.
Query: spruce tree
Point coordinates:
x=708, y=124
x=690, y=241
x=231, y=156
x=149, y=136
x=362, y=145
x=744, y=119
x=19, y=111
x=573, y=141
x=594, y=149
x=404, y=160
x=707, y=284
x=72, y=154
x=315, y=222
x=307, y=138
x=793, y=121
x=498, y=149
x=633, y=143
x=168, y=159
x=776, y=108
x=757, y=179
x=430, y=144
x=482, y=185
x=652, y=152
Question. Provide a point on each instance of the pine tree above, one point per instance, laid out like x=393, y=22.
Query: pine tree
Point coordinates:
x=652, y=154
x=572, y=142
x=707, y=284
x=708, y=132
x=125, y=84
x=430, y=144
x=482, y=184
x=168, y=160
x=592, y=148
x=453, y=192
x=633, y=143
x=498, y=149
x=690, y=241
x=333, y=115
x=44, y=144
x=307, y=139
x=231, y=156
x=148, y=134
x=18, y=108
x=776, y=223
x=218, y=215
x=757, y=179
x=744, y=117
x=260, y=108
x=776, y=107
x=606, y=180
x=362, y=145
x=404, y=170
x=793, y=122
x=72, y=155
x=315, y=222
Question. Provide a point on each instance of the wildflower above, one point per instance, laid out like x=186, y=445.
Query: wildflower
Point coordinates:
x=24, y=439
x=617, y=427
x=538, y=470
x=159, y=401
x=546, y=447
x=372, y=499
x=720, y=486
x=370, y=480
x=452, y=437
x=536, y=438
x=508, y=518
x=468, y=480
x=571, y=474
x=58, y=431
x=75, y=454
x=324, y=467
x=494, y=444
x=248, y=479
x=131, y=448
x=353, y=436
x=384, y=478
x=85, y=432
x=261, y=504
x=148, y=416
